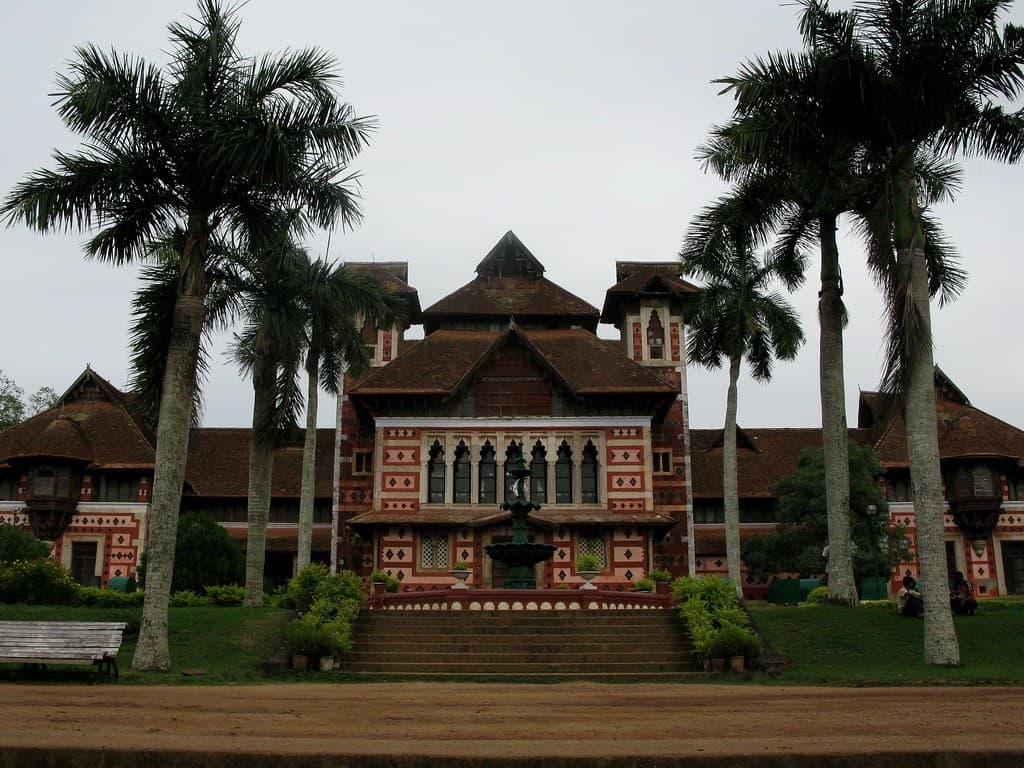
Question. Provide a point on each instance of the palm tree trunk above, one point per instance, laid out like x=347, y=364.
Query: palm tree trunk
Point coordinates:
x=730, y=483
x=174, y=422
x=261, y=467
x=940, y=641
x=841, y=584
x=308, y=490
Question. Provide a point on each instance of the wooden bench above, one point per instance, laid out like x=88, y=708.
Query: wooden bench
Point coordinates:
x=62, y=642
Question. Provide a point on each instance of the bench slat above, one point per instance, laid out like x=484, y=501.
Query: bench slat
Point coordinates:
x=67, y=642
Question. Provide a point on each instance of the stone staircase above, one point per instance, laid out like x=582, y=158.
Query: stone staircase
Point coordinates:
x=580, y=644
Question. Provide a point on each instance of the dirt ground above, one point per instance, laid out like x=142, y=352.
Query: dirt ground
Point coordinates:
x=485, y=722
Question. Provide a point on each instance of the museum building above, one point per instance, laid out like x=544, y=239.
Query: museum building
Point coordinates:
x=413, y=477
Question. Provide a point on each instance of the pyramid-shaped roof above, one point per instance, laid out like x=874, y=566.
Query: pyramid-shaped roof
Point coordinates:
x=510, y=285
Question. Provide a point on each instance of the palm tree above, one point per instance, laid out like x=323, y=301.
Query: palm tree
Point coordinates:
x=932, y=73
x=214, y=140
x=337, y=300
x=734, y=318
x=798, y=168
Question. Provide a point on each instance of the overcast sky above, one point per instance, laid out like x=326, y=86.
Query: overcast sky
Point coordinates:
x=573, y=124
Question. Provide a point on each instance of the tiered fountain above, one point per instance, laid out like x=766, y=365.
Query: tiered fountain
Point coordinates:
x=520, y=555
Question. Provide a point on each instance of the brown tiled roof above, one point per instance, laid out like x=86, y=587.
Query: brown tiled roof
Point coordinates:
x=218, y=464
x=553, y=516
x=393, y=276
x=778, y=451
x=963, y=431
x=446, y=516
x=103, y=433
x=582, y=361
x=525, y=299
x=509, y=257
x=637, y=278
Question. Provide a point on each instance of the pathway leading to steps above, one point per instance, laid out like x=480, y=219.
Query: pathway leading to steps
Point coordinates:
x=481, y=724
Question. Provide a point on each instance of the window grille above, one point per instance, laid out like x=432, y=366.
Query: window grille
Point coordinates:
x=655, y=337
x=592, y=544
x=434, y=550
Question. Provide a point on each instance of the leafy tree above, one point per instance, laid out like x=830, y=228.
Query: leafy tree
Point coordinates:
x=214, y=141
x=205, y=555
x=932, y=74
x=734, y=318
x=13, y=407
x=797, y=545
x=17, y=544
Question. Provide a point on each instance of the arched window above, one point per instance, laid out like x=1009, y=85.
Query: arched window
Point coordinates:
x=588, y=474
x=563, y=474
x=488, y=475
x=435, y=474
x=655, y=337
x=512, y=454
x=539, y=474
x=461, y=474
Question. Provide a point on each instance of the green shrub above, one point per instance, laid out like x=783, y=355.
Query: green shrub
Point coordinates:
x=643, y=585
x=204, y=555
x=311, y=637
x=298, y=593
x=17, y=544
x=327, y=611
x=587, y=562
x=731, y=640
x=817, y=596
x=659, y=575
x=108, y=598
x=340, y=586
x=37, y=582
x=461, y=565
x=225, y=595
x=709, y=605
x=186, y=598
x=1001, y=604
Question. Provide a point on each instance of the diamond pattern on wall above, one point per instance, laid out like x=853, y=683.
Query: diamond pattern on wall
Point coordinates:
x=465, y=555
x=629, y=556
x=562, y=575
x=629, y=575
x=390, y=555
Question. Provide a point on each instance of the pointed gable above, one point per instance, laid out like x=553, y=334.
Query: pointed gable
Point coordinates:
x=92, y=422
x=636, y=280
x=510, y=285
x=510, y=258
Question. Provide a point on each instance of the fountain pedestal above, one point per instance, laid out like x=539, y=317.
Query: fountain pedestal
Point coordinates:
x=520, y=555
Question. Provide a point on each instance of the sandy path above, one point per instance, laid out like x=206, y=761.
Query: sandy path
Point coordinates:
x=484, y=720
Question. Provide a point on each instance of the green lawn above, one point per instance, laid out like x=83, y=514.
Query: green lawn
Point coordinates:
x=226, y=644
x=875, y=646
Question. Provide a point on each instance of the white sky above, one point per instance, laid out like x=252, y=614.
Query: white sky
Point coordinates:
x=573, y=124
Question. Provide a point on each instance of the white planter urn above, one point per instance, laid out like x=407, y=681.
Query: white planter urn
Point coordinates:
x=587, y=577
x=460, y=575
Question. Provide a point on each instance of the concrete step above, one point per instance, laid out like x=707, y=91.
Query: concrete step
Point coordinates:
x=582, y=644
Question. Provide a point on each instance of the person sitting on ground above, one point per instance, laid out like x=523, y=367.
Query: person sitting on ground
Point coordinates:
x=908, y=600
x=961, y=595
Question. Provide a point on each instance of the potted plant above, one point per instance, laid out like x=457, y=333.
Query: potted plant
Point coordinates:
x=460, y=571
x=643, y=585
x=308, y=637
x=662, y=579
x=588, y=567
x=735, y=644
x=383, y=582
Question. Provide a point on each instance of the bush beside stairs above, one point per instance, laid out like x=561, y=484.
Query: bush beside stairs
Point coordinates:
x=578, y=645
